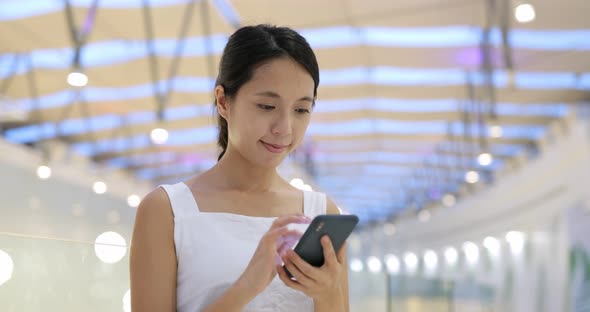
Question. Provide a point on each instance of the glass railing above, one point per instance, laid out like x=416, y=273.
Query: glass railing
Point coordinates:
x=42, y=274
x=387, y=292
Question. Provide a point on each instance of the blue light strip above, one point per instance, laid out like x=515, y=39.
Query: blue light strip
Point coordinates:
x=209, y=134
x=105, y=122
x=227, y=10
x=176, y=138
x=509, y=131
x=69, y=127
x=417, y=77
x=386, y=157
x=324, y=180
x=367, y=169
x=142, y=160
x=118, y=51
x=20, y=9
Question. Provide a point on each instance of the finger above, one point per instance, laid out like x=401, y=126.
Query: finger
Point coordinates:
x=289, y=239
x=297, y=274
x=287, y=244
x=283, y=249
x=292, y=238
x=284, y=220
x=303, y=266
x=329, y=254
x=284, y=231
x=289, y=282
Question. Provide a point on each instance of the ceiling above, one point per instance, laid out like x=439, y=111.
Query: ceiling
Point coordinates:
x=408, y=91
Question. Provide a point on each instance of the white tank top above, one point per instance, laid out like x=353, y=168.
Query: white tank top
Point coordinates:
x=214, y=248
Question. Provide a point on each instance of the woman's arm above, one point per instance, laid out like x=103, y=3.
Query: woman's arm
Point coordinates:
x=153, y=256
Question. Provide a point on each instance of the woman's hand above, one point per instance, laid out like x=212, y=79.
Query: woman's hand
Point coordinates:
x=261, y=268
x=320, y=283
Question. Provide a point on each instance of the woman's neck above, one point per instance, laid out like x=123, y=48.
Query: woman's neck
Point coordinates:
x=236, y=173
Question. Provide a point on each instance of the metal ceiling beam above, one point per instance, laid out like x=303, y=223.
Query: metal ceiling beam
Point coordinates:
x=162, y=96
x=153, y=60
x=79, y=36
x=16, y=57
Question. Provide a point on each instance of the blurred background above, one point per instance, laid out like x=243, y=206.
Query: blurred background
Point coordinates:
x=457, y=130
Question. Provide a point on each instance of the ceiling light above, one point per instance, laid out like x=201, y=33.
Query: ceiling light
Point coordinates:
x=485, y=159
x=296, y=182
x=44, y=172
x=133, y=200
x=424, y=215
x=374, y=264
x=492, y=245
x=449, y=200
x=472, y=177
x=356, y=265
x=496, y=131
x=471, y=252
x=524, y=13
x=99, y=187
x=451, y=255
x=6, y=267
x=77, y=79
x=110, y=247
x=159, y=136
x=430, y=260
x=516, y=241
x=392, y=264
x=127, y=301
x=306, y=187
x=411, y=261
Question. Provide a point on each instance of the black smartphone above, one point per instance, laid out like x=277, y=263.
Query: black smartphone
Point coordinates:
x=337, y=227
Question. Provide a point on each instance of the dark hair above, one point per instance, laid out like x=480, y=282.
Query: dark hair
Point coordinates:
x=247, y=49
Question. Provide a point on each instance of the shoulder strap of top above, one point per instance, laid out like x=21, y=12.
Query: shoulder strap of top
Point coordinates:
x=314, y=203
x=181, y=199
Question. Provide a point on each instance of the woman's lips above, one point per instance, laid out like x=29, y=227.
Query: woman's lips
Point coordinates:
x=277, y=149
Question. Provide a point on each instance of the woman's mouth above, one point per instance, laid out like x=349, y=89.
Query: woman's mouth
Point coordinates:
x=274, y=148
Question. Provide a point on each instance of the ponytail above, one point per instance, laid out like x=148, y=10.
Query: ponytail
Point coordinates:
x=223, y=133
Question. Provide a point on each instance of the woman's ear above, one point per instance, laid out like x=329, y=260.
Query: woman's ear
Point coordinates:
x=222, y=103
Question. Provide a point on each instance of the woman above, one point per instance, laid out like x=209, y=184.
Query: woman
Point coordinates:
x=217, y=241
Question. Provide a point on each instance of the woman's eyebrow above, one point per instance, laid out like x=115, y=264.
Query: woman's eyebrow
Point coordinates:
x=269, y=94
x=277, y=96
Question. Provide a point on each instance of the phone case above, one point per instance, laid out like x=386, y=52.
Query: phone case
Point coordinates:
x=337, y=227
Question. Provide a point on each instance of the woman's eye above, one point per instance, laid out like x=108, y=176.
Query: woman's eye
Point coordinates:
x=266, y=107
x=302, y=110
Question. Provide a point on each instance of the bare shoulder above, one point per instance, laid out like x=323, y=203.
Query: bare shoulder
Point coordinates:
x=331, y=208
x=155, y=207
x=154, y=220
x=153, y=255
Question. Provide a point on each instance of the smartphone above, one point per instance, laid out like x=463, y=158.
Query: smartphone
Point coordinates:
x=337, y=227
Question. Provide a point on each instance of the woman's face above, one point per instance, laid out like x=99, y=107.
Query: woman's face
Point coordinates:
x=269, y=115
